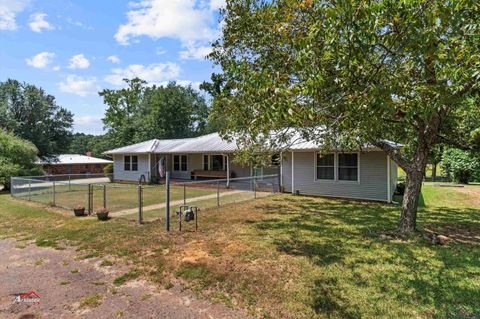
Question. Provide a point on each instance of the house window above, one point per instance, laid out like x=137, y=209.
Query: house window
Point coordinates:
x=348, y=167
x=183, y=165
x=135, y=163
x=130, y=163
x=180, y=163
x=326, y=166
x=126, y=162
x=206, y=163
x=275, y=161
x=217, y=163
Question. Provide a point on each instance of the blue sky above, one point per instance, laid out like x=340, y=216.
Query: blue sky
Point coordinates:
x=73, y=49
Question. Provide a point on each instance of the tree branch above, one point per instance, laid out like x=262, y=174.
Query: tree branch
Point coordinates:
x=394, y=153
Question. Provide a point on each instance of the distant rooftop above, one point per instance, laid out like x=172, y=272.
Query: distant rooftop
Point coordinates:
x=69, y=159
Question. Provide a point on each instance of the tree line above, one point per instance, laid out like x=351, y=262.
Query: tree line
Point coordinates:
x=35, y=126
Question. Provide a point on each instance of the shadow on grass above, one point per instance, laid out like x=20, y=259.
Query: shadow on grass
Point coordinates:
x=345, y=234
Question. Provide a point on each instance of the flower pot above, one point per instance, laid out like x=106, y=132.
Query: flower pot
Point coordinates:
x=79, y=211
x=102, y=215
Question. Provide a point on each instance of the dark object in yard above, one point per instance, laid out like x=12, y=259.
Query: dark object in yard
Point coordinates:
x=187, y=214
x=400, y=189
x=436, y=239
x=102, y=214
x=79, y=211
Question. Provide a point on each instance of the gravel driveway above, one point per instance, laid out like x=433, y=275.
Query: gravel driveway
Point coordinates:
x=63, y=280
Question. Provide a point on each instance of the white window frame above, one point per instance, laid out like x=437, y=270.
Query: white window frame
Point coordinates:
x=316, y=154
x=208, y=162
x=129, y=163
x=358, y=169
x=180, y=162
x=336, y=167
x=224, y=162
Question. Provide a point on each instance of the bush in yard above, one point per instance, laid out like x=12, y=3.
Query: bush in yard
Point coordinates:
x=17, y=158
x=108, y=169
x=400, y=189
x=461, y=166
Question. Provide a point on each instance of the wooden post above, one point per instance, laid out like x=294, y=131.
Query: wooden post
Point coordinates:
x=69, y=183
x=254, y=187
x=29, y=190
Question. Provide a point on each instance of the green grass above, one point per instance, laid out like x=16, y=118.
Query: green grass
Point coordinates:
x=91, y=301
x=118, y=196
x=293, y=256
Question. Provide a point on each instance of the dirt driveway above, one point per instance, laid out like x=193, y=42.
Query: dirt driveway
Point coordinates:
x=71, y=287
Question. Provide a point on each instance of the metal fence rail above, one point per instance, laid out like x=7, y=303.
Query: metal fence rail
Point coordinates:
x=139, y=202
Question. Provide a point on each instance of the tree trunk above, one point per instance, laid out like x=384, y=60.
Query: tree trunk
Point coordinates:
x=434, y=172
x=413, y=186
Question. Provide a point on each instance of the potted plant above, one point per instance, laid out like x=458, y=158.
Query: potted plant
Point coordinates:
x=79, y=210
x=102, y=214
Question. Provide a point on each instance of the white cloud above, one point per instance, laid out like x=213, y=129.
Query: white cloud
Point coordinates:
x=152, y=73
x=79, y=85
x=79, y=61
x=185, y=83
x=195, y=52
x=38, y=22
x=160, y=51
x=217, y=4
x=193, y=23
x=8, y=12
x=88, y=124
x=41, y=60
x=56, y=68
x=114, y=59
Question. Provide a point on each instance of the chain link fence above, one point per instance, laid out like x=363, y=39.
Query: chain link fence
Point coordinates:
x=139, y=202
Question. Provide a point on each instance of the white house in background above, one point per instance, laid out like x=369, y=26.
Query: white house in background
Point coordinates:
x=369, y=174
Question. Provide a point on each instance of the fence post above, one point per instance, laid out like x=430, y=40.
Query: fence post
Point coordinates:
x=218, y=193
x=104, y=196
x=184, y=194
x=89, y=198
x=140, y=205
x=167, y=207
x=69, y=183
x=29, y=190
x=53, y=193
x=254, y=187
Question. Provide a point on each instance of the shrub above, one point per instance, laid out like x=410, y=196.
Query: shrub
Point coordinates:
x=17, y=158
x=400, y=189
x=108, y=169
x=461, y=166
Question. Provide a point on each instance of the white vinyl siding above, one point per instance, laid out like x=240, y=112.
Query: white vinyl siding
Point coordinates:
x=371, y=184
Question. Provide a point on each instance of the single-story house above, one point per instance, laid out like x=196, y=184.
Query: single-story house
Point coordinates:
x=74, y=164
x=369, y=174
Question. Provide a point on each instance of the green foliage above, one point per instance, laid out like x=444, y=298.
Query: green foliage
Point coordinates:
x=108, y=169
x=347, y=73
x=17, y=158
x=33, y=115
x=461, y=166
x=97, y=144
x=139, y=112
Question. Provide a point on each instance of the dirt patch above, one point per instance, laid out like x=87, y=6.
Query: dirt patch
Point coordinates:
x=70, y=287
x=473, y=194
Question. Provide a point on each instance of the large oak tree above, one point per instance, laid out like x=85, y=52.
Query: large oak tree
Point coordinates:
x=363, y=71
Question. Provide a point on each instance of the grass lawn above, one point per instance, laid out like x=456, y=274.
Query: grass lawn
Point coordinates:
x=291, y=256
